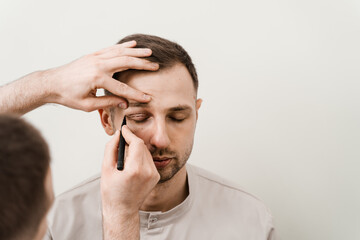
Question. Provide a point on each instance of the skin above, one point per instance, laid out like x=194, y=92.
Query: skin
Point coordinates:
x=163, y=127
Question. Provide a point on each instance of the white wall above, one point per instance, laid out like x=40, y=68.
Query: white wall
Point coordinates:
x=279, y=79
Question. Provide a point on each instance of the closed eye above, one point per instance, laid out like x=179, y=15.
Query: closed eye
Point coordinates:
x=138, y=117
x=178, y=116
x=177, y=119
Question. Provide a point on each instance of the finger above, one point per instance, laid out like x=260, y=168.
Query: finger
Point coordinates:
x=115, y=50
x=116, y=47
x=94, y=103
x=123, y=63
x=122, y=90
x=136, y=145
x=137, y=52
x=111, y=151
x=129, y=137
x=131, y=52
x=130, y=44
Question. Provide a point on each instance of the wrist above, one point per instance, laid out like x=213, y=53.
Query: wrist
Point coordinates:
x=120, y=226
x=116, y=218
x=46, y=81
x=118, y=212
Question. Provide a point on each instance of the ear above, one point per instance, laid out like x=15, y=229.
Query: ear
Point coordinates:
x=198, y=105
x=106, y=121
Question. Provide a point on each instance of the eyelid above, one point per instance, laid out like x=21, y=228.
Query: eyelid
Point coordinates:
x=137, y=115
x=134, y=114
x=180, y=114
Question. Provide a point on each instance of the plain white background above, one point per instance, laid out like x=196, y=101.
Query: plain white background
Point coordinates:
x=279, y=80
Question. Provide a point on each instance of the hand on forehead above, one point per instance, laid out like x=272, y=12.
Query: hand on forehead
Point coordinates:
x=164, y=85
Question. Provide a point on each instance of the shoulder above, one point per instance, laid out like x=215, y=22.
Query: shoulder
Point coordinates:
x=77, y=208
x=227, y=192
x=239, y=212
x=76, y=202
x=87, y=187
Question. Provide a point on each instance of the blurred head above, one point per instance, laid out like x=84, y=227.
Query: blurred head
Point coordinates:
x=167, y=123
x=25, y=180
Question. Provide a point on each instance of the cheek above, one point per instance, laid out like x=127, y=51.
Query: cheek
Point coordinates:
x=182, y=134
x=142, y=131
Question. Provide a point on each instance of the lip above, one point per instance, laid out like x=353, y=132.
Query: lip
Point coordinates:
x=161, y=162
x=160, y=159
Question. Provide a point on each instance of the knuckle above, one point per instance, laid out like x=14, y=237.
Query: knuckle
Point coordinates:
x=135, y=173
x=95, y=54
x=95, y=75
x=126, y=60
x=140, y=141
x=109, y=102
x=122, y=87
x=149, y=177
x=99, y=80
x=121, y=51
x=90, y=56
x=155, y=174
x=87, y=107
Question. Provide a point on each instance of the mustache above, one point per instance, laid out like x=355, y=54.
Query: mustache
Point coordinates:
x=159, y=152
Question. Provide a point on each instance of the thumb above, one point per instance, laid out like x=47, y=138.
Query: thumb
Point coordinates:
x=111, y=150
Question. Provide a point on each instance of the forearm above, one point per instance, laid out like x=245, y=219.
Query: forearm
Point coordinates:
x=117, y=227
x=24, y=94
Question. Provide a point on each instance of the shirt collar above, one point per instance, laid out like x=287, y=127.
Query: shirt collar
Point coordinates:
x=159, y=219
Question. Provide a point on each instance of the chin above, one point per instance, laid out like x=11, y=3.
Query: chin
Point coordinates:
x=170, y=171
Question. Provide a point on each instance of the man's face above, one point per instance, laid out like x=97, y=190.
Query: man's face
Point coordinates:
x=167, y=123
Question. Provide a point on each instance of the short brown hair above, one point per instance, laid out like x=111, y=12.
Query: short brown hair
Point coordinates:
x=164, y=52
x=24, y=163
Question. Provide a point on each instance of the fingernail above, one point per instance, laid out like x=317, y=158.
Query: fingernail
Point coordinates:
x=122, y=105
x=155, y=65
x=146, y=97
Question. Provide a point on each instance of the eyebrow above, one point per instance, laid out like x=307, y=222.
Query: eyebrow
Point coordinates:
x=180, y=108
x=173, y=109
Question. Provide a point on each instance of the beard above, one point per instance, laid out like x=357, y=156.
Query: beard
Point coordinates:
x=178, y=161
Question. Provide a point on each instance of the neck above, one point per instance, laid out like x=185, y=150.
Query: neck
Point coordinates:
x=169, y=194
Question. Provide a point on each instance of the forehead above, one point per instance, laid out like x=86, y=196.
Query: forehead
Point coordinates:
x=168, y=87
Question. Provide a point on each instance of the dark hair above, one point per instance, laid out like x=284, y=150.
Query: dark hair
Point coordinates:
x=24, y=163
x=164, y=52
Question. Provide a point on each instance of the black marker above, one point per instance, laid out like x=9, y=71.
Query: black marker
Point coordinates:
x=120, y=163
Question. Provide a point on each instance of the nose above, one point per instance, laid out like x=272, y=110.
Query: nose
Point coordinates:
x=160, y=138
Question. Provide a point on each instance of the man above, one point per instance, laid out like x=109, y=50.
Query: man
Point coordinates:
x=25, y=179
x=188, y=202
x=26, y=184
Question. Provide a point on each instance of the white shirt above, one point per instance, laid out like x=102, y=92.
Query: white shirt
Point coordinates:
x=214, y=209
